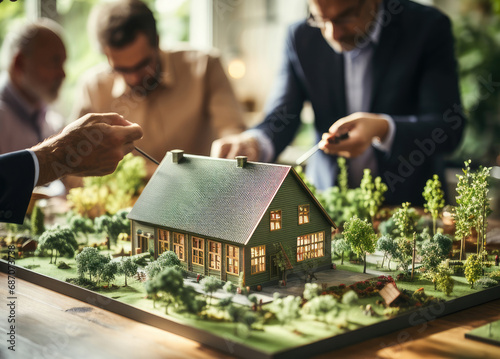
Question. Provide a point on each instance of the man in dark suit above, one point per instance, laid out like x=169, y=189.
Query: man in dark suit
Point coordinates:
x=383, y=71
x=91, y=146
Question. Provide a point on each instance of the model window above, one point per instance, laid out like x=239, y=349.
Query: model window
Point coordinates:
x=163, y=241
x=258, y=259
x=179, y=245
x=303, y=214
x=198, y=251
x=214, y=253
x=233, y=256
x=142, y=243
x=275, y=220
x=310, y=246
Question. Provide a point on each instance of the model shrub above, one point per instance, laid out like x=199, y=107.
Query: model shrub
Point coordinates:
x=486, y=282
x=473, y=269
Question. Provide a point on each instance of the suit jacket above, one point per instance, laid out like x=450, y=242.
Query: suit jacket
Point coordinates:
x=414, y=73
x=17, y=173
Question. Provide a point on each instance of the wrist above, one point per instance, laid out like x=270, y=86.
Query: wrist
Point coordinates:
x=50, y=160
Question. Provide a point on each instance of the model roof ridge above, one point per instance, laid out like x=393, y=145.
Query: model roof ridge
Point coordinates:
x=228, y=160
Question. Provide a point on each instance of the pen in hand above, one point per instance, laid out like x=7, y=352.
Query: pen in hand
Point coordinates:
x=315, y=148
x=146, y=155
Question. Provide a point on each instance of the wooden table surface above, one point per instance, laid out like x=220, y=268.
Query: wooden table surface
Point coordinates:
x=52, y=325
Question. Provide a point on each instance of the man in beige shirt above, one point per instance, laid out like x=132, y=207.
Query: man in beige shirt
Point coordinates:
x=181, y=99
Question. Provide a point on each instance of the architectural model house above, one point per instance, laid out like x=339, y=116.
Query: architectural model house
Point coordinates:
x=223, y=218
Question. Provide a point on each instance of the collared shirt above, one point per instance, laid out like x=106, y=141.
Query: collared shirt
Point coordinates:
x=191, y=105
x=21, y=124
x=358, y=89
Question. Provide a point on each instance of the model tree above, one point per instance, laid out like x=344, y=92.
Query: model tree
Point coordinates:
x=90, y=261
x=372, y=192
x=406, y=220
x=341, y=246
x=472, y=205
x=473, y=269
x=434, y=197
x=389, y=247
x=112, y=226
x=128, y=268
x=435, y=250
x=165, y=260
x=210, y=284
x=79, y=224
x=37, y=221
x=60, y=241
x=170, y=284
x=282, y=259
x=361, y=237
x=108, y=272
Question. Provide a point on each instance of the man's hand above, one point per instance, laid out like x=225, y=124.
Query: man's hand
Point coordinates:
x=236, y=145
x=362, y=128
x=90, y=146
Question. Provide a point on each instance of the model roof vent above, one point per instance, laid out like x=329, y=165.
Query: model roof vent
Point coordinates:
x=241, y=161
x=177, y=155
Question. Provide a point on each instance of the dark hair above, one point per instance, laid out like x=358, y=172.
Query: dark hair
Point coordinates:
x=118, y=23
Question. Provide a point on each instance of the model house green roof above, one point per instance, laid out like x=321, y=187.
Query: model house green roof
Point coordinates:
x=210, y=196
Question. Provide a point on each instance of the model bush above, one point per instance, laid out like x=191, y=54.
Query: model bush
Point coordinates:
x=111, y=193
x=311, y=290
x=486, y=282
x=443, y=280
x=350, y=298
x=165, y=260
x=285, y=309
x=473, y=269
x=319, y=307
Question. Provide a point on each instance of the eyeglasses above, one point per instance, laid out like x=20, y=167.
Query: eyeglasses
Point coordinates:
x=349, y=16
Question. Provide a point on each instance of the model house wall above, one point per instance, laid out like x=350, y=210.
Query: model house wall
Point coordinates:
x=223, y=218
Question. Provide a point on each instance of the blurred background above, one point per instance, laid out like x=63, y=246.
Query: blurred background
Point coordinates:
x=250, y=36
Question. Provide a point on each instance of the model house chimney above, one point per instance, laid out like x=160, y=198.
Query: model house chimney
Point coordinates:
x=177, y=156
x=241, y=161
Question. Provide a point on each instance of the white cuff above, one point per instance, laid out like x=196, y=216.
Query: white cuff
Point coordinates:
x=266, y=148
x=37, y=166
x=386, y=145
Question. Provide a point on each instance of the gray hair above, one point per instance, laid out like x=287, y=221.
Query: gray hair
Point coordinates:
x=22, y=38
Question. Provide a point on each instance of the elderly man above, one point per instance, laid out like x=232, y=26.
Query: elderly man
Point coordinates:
x=34, y=56
x=382, y=71
x=181, y=99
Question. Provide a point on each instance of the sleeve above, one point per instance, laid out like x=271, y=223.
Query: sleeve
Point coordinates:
x=284, y=106
x=17, y=173
x=440, y=117
x=226, y=114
